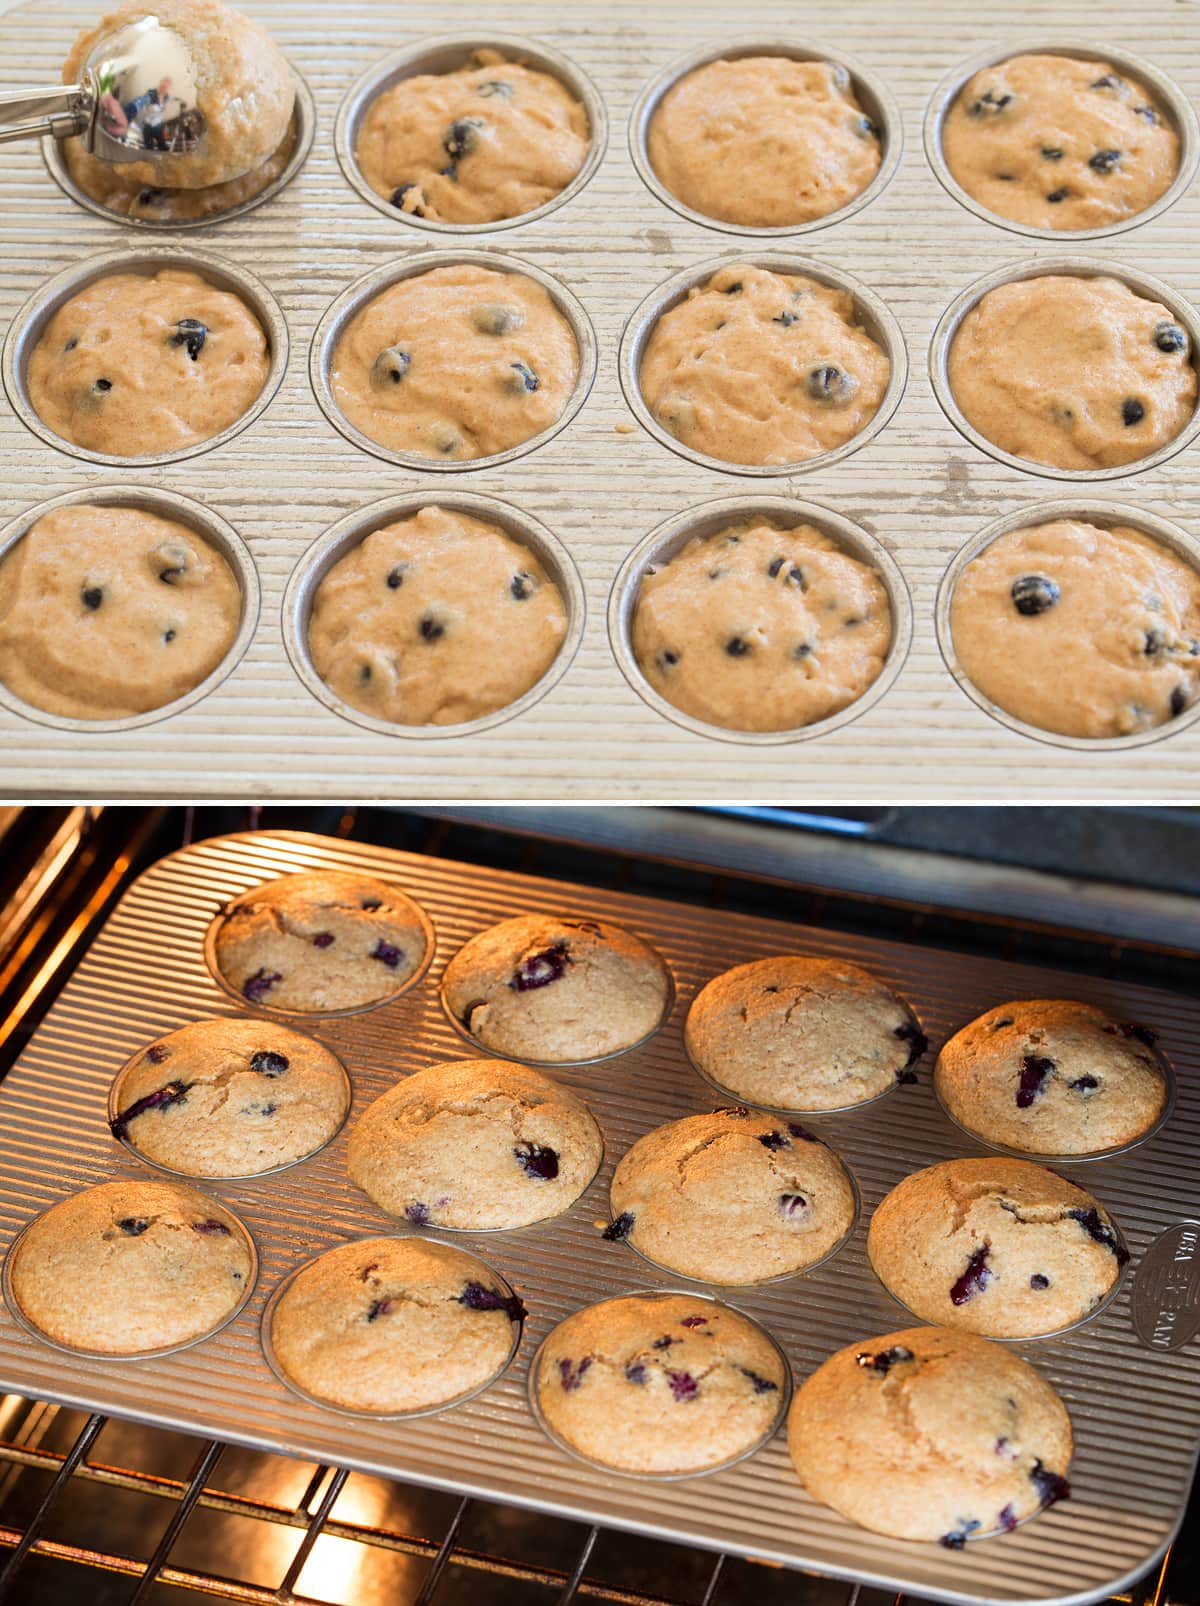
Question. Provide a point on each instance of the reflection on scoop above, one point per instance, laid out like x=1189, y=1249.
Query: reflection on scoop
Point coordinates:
x=143, y=82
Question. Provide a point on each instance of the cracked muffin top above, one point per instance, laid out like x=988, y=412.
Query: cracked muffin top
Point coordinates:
x=557, y=989
x=475, y=1144
x=660, y=1383
x=732, y=1196
x=1001, y=1247
x=1052, y=1076
x=802, y=1033
x=230, y=1098
x=931, y=1434
x=1060, y=142
x=132, y=1265
x=320, y=940
x=391, y=1325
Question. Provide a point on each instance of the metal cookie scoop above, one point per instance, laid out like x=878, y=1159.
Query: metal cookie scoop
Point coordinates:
x=137, y=99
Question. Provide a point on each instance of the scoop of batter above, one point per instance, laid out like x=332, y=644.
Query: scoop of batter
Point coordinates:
x=243, y=87
x=761, y=629
x=1079, y=630
x=458, y=362
x=1079, y=373
x=761, y=367
x=489, y=141
x=1060, y=143
x=109, y=611
x=436, y=619
x=138, y=363
x=764, y=141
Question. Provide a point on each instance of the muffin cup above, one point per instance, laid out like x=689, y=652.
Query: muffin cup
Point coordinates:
x=1039, y=268
x=296, y=1017
x=272, y=1360
x=595, y=1059
x=341, y=538
x=447, y=53
x=873, y=96
x=119, y=1357
x=114, y=1110
x=1173, y=101
x=30, y=321
x=356, y=296
x=869, y=309
x=669, y=538
x=304, y=120
x=1104, y=514
x=785, y=1395
x=170, y=505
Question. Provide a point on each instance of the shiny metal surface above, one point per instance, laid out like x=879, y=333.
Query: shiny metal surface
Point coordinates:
x=1136, y=1409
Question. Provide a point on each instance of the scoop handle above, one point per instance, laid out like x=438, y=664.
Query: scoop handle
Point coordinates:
x=27, y=113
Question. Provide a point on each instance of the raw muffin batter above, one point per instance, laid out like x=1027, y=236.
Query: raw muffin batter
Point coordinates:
x=931, y=1434
x=320, y=940
x=1076, y=372
x=733, y=1196
x=1052, y=1076
x=132, y=1265
x=1080, y=630
x=489, y=141
x=757, y=628
x=660, y=1383
x=110, y=611
x=557, y=990
x=230, y=1098
x=800, y=1033
x=456, y=362
x=1060, y=143
x=436, y=619
x=138, y=363
x=475, y=1144
x=763, y=141
x=244, y=89
x=1001, y=1247
x=394, y=1324
x=759, y=367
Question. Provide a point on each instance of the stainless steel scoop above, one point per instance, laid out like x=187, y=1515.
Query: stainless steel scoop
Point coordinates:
x=137, y=100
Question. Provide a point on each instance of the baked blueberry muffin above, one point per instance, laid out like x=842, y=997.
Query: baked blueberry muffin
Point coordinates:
x=764, y=141
x=392, y=1325
x=733, y=1196
x=488, y=141
x=320, y=940
x=660, y=1383
x=131, y=1266
x=801, y=1033
x=1075, y=372
x=1001, y=1247
x=758, y=367
x=1060, y=142
x=931, y=1434
x=475, y=1144
x=1052, y=1076
x=557, y=989
x=229, y=1098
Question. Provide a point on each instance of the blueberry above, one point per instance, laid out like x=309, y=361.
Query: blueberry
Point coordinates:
x=620, y=1228
x=1132, y=411
x=387, y=954
x=1169, y=337
x=1083, y=1084
x=157, y=1053
x=494, y=318
x=539, y=970
x=1055, y=196
x=1147, y=112
x=323, y=939
x=570, y=1375
x=909, y=1032
x=364, y=674
x=737, y=647
x=683, y=1385
x=134, y=1226
x=1053, y=153
x=989, y=104
x=787, y=319
x=1109, y=81
x=974, y=1279
x=92, y=597
x=960, y=1535
x=379, y=1307
x=1004, y=1447
x=189, y=332
x=665, y=1342
x=397, y=199
x=885, y=1359
x=168, y=637
x=174, y=560
x=523, y=379
x=267, y=1063
x=1034, y=594
x=1153, y=642
x=537, y=1161
x=259, y=1109
x=774, y=566
x=1104, y=161
x=1144, y=1034
x=1177, y=701
x=1038, y=1282
x=494, y=86
x=1035, y=1068
x=733, y=289
x=828, y=383
x=792, y=1205
x=803, y=649
x=521, y=586
x=211, y=1228
x=103, y=386
x=151, y=197
x=1003, y=1021
x=476, y=1297
x=370, y=904
x=390, y=367
x=461, y=137
x=866, y=128
x=667, y=659
x=774, y=1140
x=71, y=344
x=1091, y=1223
x=161, y=1099
x=431, y=629
x=635, y=1372
x=762, y=1385
x=258, y=985
x=694, y=1321
x=417, y=1213
x=1007, y=1520
x=1051, y=1486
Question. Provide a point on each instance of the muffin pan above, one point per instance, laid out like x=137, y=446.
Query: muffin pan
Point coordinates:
x=603, y=481
x=1134, y=1399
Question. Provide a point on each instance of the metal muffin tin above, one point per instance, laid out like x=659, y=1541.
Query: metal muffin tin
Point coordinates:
x=1135, y=1407
x=603, y=481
